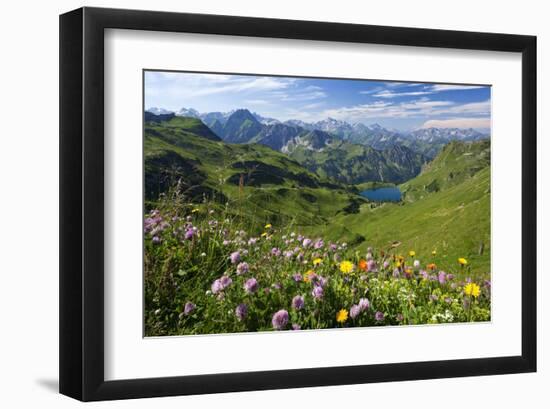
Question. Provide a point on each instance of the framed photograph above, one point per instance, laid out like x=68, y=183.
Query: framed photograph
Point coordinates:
x=252, y=203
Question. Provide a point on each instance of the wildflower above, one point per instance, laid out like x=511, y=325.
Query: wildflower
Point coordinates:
x=319, y=243
x=434, y=252
x=371, y=265
x=277, y=286
x=308, y=276
x=346, y=267
x=408, y=272
x=416, y=264
x=433, y=297
x=252, y=241
x=399, y=317
x=317, y=292
x=306, y=243
x=395, y=273
x=342, y=315
x=195, y=210
x=300, y=257
x=386, y=264
x=268, y=226
x=332, y=247
x=462, y=261
x=226, y=242
x=189, y=233
x=450, y=277
x=216, y=286
x=472, y=289
x=354, y=311
x=424, y=274
x=275, y=252
x=203, y=254
x=156, y=240
x=412, y=253
x=251, y=285
x=264, y=234
x=297, y=277
x=379, y=316
x=280, y=319
x=431, y=266
x=242, y=268
x=298, y=302
x=296, y=327
x=241, y=311
x=225, y=281
x=442, y=277
x=288, y=253
x=364, y=304
x=317, y=261
x=235, y=257
x=363, y=264
x=188, y=308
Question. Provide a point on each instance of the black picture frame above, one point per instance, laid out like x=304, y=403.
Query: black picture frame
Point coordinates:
x=82, y=200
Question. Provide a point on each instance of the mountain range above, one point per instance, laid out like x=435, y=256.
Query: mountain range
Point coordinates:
x=425, y=141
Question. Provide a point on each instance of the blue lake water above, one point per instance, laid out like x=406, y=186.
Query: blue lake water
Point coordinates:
x=383, y=194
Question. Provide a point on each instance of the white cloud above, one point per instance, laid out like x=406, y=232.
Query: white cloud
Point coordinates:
x=391, y=94
x=479, y=123
x=450, y=87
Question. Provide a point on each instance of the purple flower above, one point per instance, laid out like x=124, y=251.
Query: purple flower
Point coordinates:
x=296, y=327
x=448, y=300
x=280, y=319
x=277, y=286
x=424, y=274
x=189, y=233
x=306, y=243
x=225, y=281
x=399, y=317
x=242, y=268
x=300, y=257
x=235, y=257
x=319, y=243
x=332, y=247
x=252, y=241
x=386, y=264
x=450, y=277
x=241, y=311
x=364, y=304
x=275, y=252
x=216, y=286
x=298, y=302
x=226, y=242
x=379, y=316
x=288, y=253
x=371, y=265
x=442, y=277
x=156, y=240
x=354, y=311
x=433, y=297
x=251, y=285
x=318, y=292
x=297, y=277
x=188, y=308
x=395, y=273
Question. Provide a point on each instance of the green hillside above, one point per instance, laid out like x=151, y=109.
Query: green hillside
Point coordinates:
x=453, y=219
x=254, y=181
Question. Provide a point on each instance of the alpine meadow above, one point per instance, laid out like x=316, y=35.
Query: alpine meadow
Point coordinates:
x=289, y=203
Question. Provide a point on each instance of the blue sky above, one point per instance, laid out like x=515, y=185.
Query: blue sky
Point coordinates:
x=392, y=104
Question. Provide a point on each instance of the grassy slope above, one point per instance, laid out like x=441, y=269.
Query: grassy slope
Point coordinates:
x=297, y=196
x=455, y=220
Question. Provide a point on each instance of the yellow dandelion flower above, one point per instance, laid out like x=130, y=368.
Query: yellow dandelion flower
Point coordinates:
x=434, y=252
x=346, y=267
x=195, y=210
x=398, y=264
x=472, y=289
x=264, y=234
x=268, y=226
x=462, y=261
x=342, y=315
x=412, y=253
x=317, y=261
